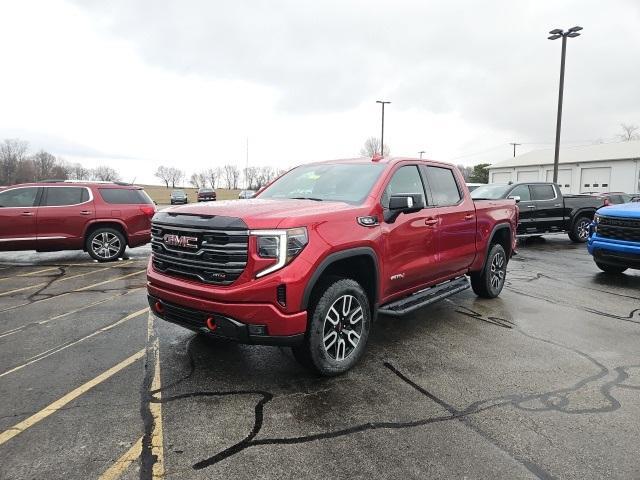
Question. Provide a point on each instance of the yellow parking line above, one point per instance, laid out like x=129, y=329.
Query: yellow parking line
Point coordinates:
x=69, y=397
x=157, y=435
x=120, y=465
x=30, y=287
x=29, y=274
x=76, y=290
x=51, y=351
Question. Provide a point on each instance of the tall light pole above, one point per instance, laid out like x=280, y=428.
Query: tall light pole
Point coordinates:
x=421, y=152
x=556, y=34
x=514, y=147
x=383, y=103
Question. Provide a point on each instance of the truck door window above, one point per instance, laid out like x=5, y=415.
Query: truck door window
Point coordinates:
x=521, y=191
x=19, y=197
x=542, y=192
x=443, y=186
x=405, y=180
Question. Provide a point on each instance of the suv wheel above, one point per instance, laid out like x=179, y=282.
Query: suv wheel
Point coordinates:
x=489, y=282
x=106, y=244
x=338, y=329
x=605, y=267
x=580, y=231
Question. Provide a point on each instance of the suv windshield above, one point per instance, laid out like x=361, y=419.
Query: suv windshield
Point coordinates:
x=490, y=192
x=341, y=182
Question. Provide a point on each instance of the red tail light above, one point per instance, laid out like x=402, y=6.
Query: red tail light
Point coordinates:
x=148, y=210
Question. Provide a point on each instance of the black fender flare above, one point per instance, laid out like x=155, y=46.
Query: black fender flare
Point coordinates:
x=335, y=257
x=496, y=228
x=582, y=212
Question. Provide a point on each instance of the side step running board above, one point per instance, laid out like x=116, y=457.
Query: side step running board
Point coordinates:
x=424, y=297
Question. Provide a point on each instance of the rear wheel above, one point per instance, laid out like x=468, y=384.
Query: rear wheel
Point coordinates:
x=605, y=267
x=580, y=231
x=489, y=282
x=338, y=331
x=105, y=244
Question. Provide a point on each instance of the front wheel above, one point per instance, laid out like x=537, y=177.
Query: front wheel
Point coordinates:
x=338, y=331
x=106, y=244
x=488, y=283
x=580, y=231
x=605, y=267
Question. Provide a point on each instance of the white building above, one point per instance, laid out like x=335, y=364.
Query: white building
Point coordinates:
x=610, y=167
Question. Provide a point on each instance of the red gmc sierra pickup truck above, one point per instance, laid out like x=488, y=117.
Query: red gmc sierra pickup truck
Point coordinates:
x=320, y=252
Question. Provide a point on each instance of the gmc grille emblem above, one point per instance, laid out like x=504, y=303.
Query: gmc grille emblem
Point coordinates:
x=180, y=241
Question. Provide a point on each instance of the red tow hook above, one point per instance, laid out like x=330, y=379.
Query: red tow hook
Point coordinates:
x=211, y=324
x=159, y=308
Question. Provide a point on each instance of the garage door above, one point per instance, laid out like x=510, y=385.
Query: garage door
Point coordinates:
x=528, y=176
x=595, y=179
x=564, y=179
x=500, y=177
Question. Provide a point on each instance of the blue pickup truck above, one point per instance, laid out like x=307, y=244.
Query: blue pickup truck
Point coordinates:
x=614, y=240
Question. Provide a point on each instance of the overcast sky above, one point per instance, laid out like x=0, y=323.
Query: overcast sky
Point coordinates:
x=137, y=84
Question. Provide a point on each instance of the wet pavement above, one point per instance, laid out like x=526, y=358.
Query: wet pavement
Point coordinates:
x=543, y=382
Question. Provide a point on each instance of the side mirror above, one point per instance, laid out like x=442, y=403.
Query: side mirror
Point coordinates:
x=515, y=197
x=403, y=203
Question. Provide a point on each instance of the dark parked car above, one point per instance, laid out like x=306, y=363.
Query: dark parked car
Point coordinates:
x=543, y=208
x=100, y=218
x=206, y=195
x=178, y=196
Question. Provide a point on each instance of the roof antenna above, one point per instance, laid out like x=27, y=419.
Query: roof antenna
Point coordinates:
x=376, y=157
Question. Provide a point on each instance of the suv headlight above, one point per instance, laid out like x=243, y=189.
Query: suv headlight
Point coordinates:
x=282, y=245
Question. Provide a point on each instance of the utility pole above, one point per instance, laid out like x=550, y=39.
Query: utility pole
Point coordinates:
x=383, y=103
x=514, y=147
x=555, y=34
x=421, y=152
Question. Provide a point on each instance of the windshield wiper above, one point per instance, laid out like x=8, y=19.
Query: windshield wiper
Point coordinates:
x=306, y=198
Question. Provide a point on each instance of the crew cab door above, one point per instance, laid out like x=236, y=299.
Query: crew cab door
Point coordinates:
x=549, y=211
x=456, y=215
x=63, y=217
x=527, y=209
x=18, y=215
x=410, y=239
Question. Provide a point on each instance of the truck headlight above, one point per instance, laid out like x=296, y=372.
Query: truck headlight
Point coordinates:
x=282, y=245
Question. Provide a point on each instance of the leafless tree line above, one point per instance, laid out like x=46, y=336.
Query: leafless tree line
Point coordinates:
x=17, y=165
x=228, y=176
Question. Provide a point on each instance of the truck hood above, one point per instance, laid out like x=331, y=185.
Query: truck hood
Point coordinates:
x=258, y=213
x=626, y=210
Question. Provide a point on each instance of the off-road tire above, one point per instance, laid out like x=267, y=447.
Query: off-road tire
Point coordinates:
x=313, y=352
x=488, y=283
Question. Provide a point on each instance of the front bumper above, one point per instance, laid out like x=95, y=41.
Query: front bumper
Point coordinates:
x=614, y=252
x=217, y=325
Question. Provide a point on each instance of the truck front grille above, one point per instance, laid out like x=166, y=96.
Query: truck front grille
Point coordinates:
x=619, y=228
x=210, y=256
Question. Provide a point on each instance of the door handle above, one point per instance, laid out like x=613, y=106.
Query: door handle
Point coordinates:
x=27, y=214
x=85, y=212
x=558, y=205
x=531, y=206
x=469, y=216
x=431, y=222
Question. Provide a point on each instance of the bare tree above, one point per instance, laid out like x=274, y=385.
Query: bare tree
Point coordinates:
x=25, y=171
x=164, y=174
x=198, y=179
x=265, y=175
x=372, y=146
x=212, y=175
x=231, y=176
x=77, y=172
x=250, y=177
x=466, y=172
x=628, y=133
x=44, y=163
x=12, y=152
x=176, y=176
x=105, y=174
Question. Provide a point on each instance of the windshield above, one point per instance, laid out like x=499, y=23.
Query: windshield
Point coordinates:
x=177, y=192
x=490, y=192
x=340, y=182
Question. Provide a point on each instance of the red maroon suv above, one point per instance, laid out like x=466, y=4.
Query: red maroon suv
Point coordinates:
x=322, y=250
x=100, y=218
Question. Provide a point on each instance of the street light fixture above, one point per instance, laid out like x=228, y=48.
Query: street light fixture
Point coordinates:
x=383, y=103
x=557, y=33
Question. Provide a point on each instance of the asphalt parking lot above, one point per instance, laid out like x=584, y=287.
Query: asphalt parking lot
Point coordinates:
x=543, y=382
